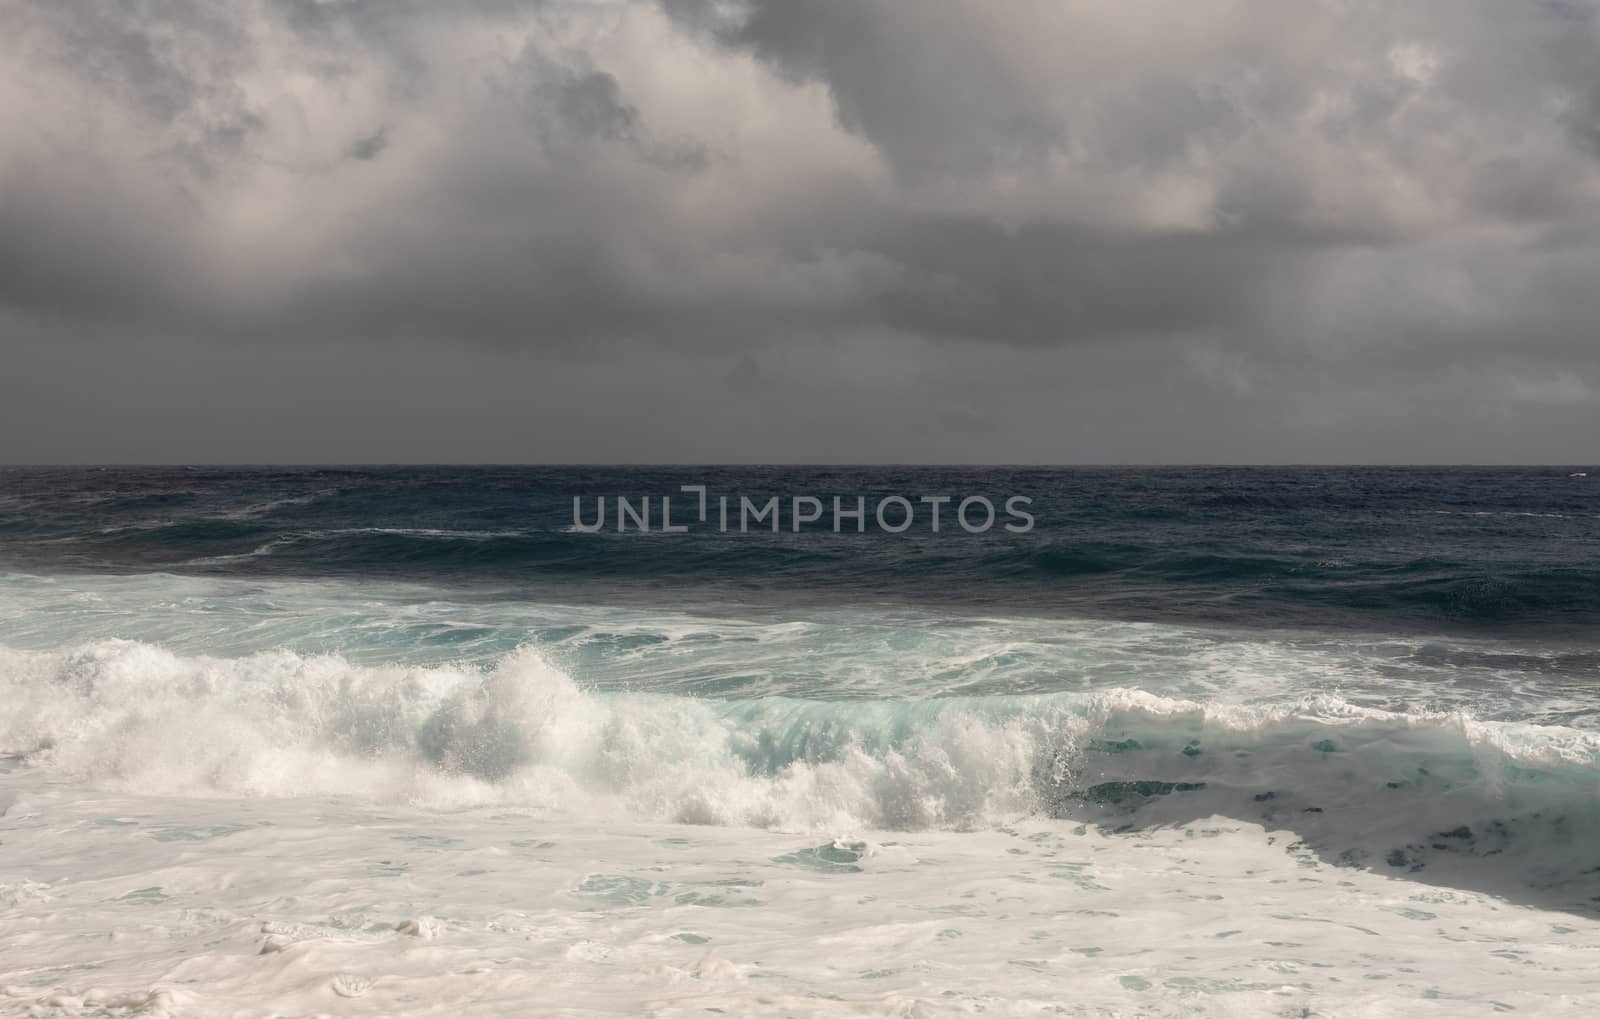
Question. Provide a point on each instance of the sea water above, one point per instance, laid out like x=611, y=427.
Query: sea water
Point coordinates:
x=404, y=741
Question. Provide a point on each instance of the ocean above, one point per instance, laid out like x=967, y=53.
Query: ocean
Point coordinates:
x=436, y=741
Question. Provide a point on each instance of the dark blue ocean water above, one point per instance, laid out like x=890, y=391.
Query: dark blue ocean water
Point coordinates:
x=1487, y=550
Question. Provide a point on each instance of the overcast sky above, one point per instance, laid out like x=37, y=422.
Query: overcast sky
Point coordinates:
x=1059, y=231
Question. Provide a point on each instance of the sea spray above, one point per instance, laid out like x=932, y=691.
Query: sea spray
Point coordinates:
x=134, y=717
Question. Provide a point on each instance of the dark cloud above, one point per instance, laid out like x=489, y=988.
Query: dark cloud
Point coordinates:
x=799, y=229
x=370, y=147
x=934, y=96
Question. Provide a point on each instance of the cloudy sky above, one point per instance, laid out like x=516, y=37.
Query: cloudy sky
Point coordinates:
x=1054, y=231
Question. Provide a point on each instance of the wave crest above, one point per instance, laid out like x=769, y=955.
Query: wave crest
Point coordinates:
x=278, y=724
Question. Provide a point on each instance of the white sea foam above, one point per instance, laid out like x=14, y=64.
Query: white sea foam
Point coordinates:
x=115, y=905
x=135, y=717
x=645, y=811
x=839, y=654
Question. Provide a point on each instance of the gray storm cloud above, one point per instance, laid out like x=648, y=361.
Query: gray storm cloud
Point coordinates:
x=918, y=230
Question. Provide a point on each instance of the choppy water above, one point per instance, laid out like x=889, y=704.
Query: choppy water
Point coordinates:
x=1493, y=550
x=1200, y=742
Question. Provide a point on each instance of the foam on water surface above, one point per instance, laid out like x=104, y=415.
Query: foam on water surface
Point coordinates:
x=227, y=797
x=319, y=907
x=849, y=652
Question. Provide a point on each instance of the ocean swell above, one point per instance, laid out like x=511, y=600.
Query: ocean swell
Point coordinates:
x=136, y=717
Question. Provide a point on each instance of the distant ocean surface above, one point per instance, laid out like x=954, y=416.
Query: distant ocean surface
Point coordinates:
x=392, y=741
x=1491, y=550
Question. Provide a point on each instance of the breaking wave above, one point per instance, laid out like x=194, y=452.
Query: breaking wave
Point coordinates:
x=1371, y=786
